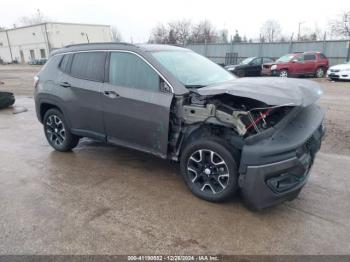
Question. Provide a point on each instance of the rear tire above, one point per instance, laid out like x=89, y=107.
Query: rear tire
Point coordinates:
x=209, y=169
x=57, y=132
x=320, y=72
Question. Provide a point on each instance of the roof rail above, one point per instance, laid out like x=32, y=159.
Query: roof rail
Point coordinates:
x=100, y=43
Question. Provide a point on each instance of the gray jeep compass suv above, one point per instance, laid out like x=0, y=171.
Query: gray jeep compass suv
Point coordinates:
x=258, y=136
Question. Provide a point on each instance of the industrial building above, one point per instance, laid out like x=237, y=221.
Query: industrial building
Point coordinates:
x=28, y=43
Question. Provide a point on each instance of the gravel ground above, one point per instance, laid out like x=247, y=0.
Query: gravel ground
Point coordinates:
x=103, y=199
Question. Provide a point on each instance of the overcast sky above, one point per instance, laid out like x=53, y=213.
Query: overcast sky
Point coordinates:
x=135, y=19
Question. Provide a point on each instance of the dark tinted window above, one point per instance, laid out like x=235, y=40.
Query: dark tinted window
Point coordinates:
x=129, y=70
x=309, y=57
x=267, y=60
x=89, y=66
x=256, y=61
x=65, y=63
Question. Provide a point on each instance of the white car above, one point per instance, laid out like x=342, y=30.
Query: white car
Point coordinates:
x=341, y=71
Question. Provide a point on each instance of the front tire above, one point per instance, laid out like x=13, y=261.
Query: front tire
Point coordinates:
x=209, y=169
x=283, y=73
x=57, y=132
x=240, y=73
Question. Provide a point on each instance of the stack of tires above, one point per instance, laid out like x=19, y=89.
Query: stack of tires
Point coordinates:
x=6, y=99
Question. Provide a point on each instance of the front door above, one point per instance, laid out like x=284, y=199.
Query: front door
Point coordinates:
x=136, y=112
x=299, y=65
x=254, y=68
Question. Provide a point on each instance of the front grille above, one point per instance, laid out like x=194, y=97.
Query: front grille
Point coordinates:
x=308, y=144
x=335, y=70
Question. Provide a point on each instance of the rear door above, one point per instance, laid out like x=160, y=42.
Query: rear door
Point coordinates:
x=310, y=63
x=81, y=87
x=136, y=112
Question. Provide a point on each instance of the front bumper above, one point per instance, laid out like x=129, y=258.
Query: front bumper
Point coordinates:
x=275, y=169
x=268, y=72
x=342, y=75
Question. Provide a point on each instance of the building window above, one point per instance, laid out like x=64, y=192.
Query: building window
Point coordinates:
x=42, y=53
x=32, y=54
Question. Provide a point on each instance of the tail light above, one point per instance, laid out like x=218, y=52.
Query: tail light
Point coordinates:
x=36, y=81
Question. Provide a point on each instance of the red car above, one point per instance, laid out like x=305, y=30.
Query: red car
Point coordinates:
x=308, y=63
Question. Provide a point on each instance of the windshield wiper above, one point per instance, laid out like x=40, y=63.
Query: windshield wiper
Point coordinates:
x=194, y=86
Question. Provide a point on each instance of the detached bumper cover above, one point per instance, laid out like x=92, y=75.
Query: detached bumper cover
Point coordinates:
x=276, y=168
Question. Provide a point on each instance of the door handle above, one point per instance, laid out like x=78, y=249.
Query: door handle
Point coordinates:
x=111, y=94
x=65, y=84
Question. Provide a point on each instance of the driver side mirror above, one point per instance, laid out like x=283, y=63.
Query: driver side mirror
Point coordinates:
x=295, y=60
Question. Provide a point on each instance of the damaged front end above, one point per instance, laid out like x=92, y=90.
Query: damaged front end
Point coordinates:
x=277, y=133
x=245, y=116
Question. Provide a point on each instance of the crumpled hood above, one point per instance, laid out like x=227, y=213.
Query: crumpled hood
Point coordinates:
x=269, y=90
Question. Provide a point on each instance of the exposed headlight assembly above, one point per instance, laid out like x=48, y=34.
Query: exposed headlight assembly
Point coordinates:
x=274, y=67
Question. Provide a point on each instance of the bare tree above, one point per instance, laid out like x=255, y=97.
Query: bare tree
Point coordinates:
x=116, y=35
x=270, y=30
x=180, y=31
x=159, y=34
x=341, y=26
x=36, y=18
x=223, y=36
x=204, y=32
x=311, y=34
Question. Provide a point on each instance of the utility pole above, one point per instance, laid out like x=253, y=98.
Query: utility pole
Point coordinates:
x=47, y=38
x=8, y=42
x=299, y=25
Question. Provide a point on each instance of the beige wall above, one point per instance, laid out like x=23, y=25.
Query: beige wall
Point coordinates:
x=66, y=34
x=59, y=34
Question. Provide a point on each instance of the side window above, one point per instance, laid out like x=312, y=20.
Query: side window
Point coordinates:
x=299, y=58
x=89, y=66
x=309, y=57
x=64, y=64
x=267, y=60
x=129, y=70
x=257, y=61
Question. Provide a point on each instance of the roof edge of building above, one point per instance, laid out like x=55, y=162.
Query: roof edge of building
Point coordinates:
x=45, y=23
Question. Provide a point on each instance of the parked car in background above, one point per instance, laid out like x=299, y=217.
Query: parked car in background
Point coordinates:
x=250, y=66
x=341, y=72
x=41, y=61
x=297, y=64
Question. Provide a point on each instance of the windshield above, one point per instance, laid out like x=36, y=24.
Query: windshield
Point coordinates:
x=247, y=60
x=285, y=58
x=191, y=69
